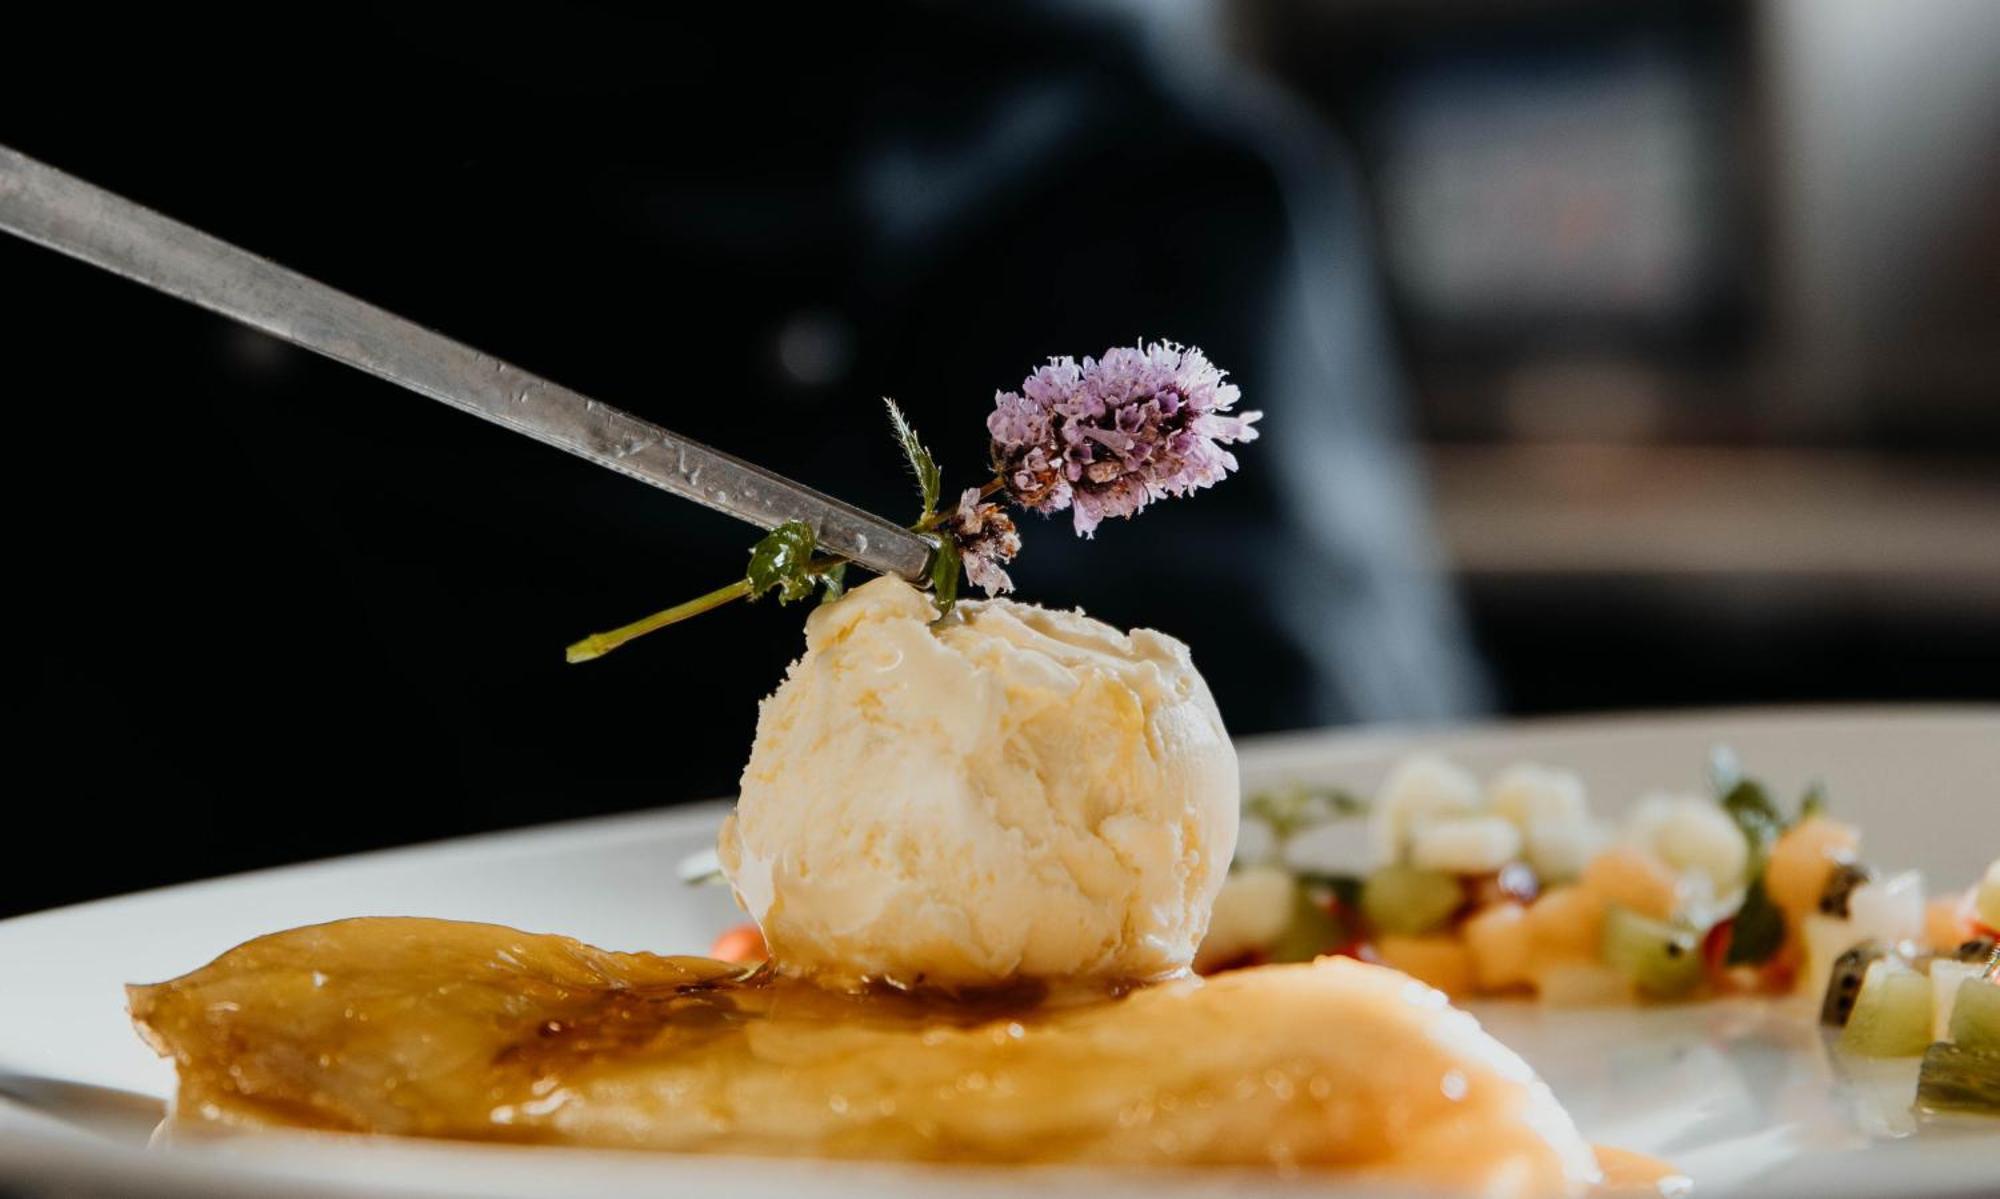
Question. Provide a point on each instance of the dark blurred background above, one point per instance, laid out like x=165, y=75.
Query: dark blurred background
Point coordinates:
x=1615, y=356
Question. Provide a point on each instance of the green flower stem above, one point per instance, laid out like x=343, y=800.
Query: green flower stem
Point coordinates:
x=599, y=644
x=937, y=518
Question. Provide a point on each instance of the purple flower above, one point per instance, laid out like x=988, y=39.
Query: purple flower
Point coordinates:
x=986, y=540
x=1110, y=436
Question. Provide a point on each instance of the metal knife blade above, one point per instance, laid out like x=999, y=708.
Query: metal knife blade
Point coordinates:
x=63, y=213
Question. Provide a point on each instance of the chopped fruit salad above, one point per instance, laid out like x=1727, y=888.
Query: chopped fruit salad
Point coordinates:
x=1511, y=886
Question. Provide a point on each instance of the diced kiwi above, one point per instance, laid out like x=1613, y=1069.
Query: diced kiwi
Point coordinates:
x=1663, y=960
x=1955, y=1078
x=1975, y=1015
x=1976, y=950
x=1946, y=976
x=1845, y=982
x=1840, y=884
x=1892, y=1014
x=1311, y=931
x=1407, y=900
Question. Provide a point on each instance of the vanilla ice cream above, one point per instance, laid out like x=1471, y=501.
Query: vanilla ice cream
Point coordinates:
x=1013, y=792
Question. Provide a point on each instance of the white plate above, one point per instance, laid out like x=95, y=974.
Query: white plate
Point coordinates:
x=1742, y=1094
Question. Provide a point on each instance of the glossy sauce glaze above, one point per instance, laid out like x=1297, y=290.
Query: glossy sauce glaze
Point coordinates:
x=436, y=1028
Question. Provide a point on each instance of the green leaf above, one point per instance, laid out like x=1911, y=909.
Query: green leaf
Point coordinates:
x=1345, y=888
x=1725, y=770
x=1759, y=929
x=1312, y=930
x=921, y=463
x=1293, y=809
x=833, y=582
x=1813, y=802
x=1750, y=806
x=782, y=561
x=944, y=576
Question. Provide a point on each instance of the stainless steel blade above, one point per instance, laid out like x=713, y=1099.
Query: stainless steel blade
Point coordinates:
x=66, y=214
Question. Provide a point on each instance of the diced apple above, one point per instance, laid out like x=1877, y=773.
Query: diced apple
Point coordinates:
x=1250, y=912
x=1528, y=794
x=1693, y=833
x=1420, y=788
x=1889, y=910
x=1256, y=842
x=1560, y=849
x=1465, y=844
x=1697, y=904
x=1502, y=944
x=1338, y=847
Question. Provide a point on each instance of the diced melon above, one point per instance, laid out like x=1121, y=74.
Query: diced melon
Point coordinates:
x=1502, y=944
x=1892, y=1015
x=1948, y=922
x=1442, y=961
x=1634, y=879
x=1975, y=1015
x=1801, y=860
x=1581, y=984
x=742, y=943
x=1566, y=924
x=1986, y=902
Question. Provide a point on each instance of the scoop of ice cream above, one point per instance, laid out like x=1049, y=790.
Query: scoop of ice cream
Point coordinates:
x=1010, y=793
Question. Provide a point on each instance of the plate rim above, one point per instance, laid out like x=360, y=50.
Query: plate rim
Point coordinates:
x=66, y=1156
x=1355, y=739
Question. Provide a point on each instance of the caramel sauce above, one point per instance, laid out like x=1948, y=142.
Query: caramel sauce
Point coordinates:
x=445, y=1029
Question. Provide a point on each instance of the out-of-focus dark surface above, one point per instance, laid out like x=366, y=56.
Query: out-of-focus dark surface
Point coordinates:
x=1614, y=358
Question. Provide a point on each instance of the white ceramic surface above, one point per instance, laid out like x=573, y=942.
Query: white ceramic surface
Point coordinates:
x=1743, y=1094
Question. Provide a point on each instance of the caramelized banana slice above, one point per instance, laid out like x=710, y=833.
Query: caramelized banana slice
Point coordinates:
x=435, y=1028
